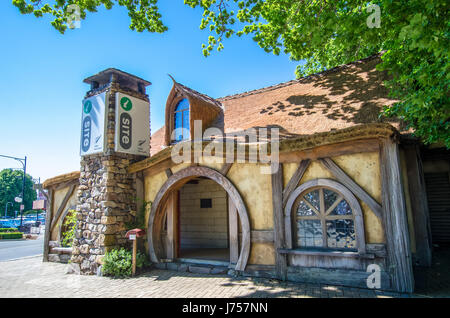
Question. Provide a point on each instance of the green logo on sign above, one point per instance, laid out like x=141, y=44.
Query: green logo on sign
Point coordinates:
x=126, y=103
x=87, y=107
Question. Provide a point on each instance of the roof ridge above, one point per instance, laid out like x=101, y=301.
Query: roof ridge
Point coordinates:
x=195, y=92
x=300, y=80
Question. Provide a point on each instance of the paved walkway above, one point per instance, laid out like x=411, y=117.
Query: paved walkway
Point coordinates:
x=30, y=277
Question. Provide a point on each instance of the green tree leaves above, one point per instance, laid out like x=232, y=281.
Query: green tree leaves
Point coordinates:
x=11, y=187
x=144, y=14
x=414, y=34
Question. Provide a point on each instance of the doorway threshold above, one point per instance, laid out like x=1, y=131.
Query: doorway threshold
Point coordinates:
x=202, y=261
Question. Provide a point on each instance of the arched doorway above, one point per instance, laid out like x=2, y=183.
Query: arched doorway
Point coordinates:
x=161, y=219
x=201, y=222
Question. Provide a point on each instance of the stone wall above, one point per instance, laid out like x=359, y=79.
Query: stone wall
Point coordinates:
x=106, y=198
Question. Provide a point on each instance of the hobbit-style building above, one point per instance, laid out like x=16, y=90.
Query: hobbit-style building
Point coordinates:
x=343, y=192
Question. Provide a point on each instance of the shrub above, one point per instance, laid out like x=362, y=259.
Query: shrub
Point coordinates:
x=11, y=236
x=118, y=263
x=8, y=229
x=68, y=228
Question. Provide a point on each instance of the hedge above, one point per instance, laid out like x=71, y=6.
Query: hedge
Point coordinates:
x=11, y=236
x=8, y=229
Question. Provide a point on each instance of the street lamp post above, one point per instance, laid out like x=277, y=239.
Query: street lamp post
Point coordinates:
x=23, y=161
x=6, y=208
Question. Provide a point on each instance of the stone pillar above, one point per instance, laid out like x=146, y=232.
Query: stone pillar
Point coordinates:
x=107, y=193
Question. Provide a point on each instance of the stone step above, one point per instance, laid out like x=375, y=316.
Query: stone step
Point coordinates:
x=194, y=268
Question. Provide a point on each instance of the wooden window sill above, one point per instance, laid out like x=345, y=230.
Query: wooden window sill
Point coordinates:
x=326, y=253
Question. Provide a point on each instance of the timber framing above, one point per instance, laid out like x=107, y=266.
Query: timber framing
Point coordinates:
x=361, y=138
x=48, y=220
x=331, y=166
x=62, y=206
x=395, y=218
x=279, y=228
x=293, y=182
x=157, y=213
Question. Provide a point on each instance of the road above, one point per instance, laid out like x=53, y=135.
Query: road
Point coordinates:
x=13, y=249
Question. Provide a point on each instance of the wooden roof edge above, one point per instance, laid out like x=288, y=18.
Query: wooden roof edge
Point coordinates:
x=196, y=94
x=112, y=70
x=359, y=132
x=60, y=179
x=363, y=131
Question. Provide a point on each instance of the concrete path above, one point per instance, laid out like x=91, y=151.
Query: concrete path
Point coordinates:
x=31, y=278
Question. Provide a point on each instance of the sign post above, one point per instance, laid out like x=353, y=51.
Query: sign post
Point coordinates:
x=132, y=235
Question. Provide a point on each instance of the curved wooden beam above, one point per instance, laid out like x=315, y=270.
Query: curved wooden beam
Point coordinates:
x=346, y=180
x=177, y=180
x=62, y=206
x=304, y=164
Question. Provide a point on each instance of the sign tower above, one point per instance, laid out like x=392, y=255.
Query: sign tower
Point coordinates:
x=115, y=132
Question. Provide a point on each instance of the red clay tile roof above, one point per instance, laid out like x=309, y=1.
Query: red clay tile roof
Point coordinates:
x=342, y=97
x=339, y=98
x=157, y=141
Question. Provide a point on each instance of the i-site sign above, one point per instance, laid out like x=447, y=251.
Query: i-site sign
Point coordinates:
x=93, y=125
x=132, y=134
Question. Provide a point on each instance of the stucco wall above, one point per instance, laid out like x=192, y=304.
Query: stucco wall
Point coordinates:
x=58, y=198
x=256, y=191
x=364, y=169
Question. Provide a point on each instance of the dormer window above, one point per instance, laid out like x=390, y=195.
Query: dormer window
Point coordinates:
x=181, y=120
x=185, y=106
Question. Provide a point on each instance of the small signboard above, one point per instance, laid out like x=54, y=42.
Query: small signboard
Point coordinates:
x=39, y=204
x=93, y=126
x=132, y=134
x=22, y=207
x=132, y=237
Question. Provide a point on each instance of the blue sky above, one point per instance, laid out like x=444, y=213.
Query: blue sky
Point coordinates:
x=41, y=74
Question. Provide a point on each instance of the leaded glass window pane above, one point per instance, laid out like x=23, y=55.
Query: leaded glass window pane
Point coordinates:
x=178, y=126
x=309, y=233
x=343, y=208
x=182, y=105
x=329, y=198
x=186, y=124
x=181, y=120
x=313, y=198
x=304, y=210
x=341, y=234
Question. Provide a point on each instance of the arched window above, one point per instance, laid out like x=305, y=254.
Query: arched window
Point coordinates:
x=325, y=215
x=181, y=120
